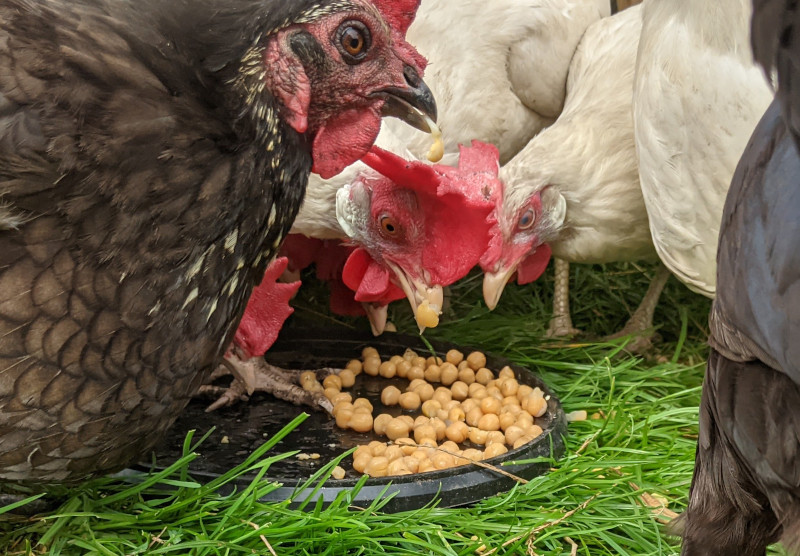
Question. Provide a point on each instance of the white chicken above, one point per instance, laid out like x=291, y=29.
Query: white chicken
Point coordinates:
x=498, y=72
x=697, y=98
x=574, y=189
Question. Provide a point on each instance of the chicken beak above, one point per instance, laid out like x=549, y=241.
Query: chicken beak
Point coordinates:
x=377, y=315
x=426, y=301
x=494, y=283
x=413, y=104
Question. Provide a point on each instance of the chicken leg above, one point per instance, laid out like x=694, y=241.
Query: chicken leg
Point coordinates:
x=561, y=322
x=254, y=374
x=641, y=321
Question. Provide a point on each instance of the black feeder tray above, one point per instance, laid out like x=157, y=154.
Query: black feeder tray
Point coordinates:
x=247, y=425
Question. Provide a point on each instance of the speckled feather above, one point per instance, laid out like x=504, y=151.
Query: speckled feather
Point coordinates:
x=149, y=211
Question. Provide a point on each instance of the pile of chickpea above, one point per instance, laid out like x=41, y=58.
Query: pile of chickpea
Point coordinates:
x=459, y=398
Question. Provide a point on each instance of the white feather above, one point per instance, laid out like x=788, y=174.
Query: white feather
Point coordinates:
x=697, y=99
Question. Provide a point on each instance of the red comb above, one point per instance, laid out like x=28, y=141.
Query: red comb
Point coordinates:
x=411, y=174
x=399, y=14
x=266, y=311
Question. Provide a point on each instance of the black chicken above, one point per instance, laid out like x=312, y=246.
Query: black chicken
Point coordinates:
x=153, y=154
x=745, y=492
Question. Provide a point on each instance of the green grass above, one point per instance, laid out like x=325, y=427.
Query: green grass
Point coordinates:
x=644, y=443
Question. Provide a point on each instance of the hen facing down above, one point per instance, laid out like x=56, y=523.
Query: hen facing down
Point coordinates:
x=152, y=157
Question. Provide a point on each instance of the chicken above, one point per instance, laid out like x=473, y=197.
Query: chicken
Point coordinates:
x=417, y=227
x=697, y=98
x=515, y=75
x=152, y=157
x=573, y=191
x=745, y=492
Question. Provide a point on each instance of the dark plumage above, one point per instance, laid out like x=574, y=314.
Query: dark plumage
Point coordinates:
x=745, y=492
x=151, y=161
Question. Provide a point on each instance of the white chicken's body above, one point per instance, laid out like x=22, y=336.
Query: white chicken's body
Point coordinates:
x=588, y=154
x=697, y=99
x=498, y=71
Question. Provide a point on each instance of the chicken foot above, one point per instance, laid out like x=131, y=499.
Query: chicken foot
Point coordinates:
x=255, y=374
x=561, y=322
x=641, y=321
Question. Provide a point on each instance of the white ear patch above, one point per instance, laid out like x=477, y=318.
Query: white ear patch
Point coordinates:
x=557, y=205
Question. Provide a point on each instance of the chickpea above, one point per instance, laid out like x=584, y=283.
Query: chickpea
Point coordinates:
x=371, y=366
x=402, y=368
x=381, y=422
x=342, y=404
x=362, y=402
x=412, y=464
x=347, y=377
x=377, y=467
x=443, y=461
x=341, y=397
x=360, y=462
x=420, y=362
x=308, y=376
x=476, y=360
x=409, y=400
x=343, y=417
x=361, y=450
x=478, y=436
x=472, y=454
x=494, y=450
x=513, y=433
x=469, y=404
x=524, y=421
x=459, y=391
x=456, y=414
x=397, y=428
x=494, y=392
x=522, y=440
x=440, y=427
x=513, y=409
x=387, y=369
x=409, y=355
x=510, y=387
x=397, y=467
x=509, y=401
x=355, y=366
x=361, y=422
x=433, y=361
x=479, y=393
x=331, y=393
x=506, y=372
x=442, y=414
x=494, y=437
x=483, y=375
x=442, y=395
x=489, y=422
x=425, y=392
x=393, y=453
x=475, y=387
x=454, y=356
x=457, y=431
x=420, y=454
x=426, y=465
x=390, y=396
x=396, y=359
x=490, y=405
x=421, y=420
x=430, y=408
x=406, y=444
x=407, y=419
x=535, y=405
x=368, y=352
x=466, y=375
x=424, y=432
x=377, y=448
x=415, y=372
x=450, y=446
x=507, y=420
x=473, y=417
x=524, y=391
x=535, y=431
x=463, y=365
x=449, y=374
x=338, y=473
x=433, y=373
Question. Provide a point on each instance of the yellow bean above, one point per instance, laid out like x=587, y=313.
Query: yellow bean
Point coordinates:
x=426, y=316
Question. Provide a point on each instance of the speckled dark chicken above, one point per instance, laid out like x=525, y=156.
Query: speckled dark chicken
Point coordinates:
x=746, y=488
x=153, y=154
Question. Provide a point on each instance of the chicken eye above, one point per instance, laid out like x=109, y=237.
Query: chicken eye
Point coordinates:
x=388, y=225
x=527, y=219
x=353, y=39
